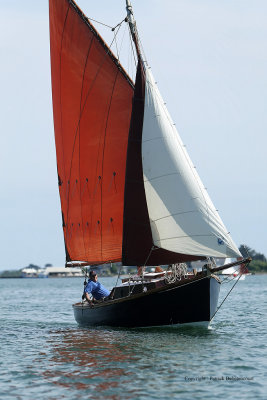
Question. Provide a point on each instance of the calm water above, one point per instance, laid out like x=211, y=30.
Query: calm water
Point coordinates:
x=45, y=355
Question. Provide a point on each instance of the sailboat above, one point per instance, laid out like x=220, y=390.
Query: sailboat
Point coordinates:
x=129, y=191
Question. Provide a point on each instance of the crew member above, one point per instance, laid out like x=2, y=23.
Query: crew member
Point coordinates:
x=95, y=288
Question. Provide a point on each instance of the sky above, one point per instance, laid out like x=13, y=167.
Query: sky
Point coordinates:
x=209, y=58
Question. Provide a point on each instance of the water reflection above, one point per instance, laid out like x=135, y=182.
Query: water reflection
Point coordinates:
x=92, y=360
x=44, y=355
x=104, y=362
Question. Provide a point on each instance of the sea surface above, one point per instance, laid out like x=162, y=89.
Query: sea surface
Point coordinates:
x=45, y=355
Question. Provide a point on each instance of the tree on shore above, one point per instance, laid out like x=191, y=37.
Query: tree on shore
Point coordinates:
x=259, y=261
x=248, y=251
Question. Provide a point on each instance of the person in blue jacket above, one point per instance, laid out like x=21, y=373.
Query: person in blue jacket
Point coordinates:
x=95, y=288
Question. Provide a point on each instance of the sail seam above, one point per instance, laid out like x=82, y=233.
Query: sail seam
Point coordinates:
x=183, y=236
x=88, y=52
x=60, y=69
x=156, y=138
x=179, y=213
x=111, y=97
x=161, y=176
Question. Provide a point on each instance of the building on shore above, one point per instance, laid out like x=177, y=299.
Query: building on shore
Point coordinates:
x=50, y=272
x=57, y=272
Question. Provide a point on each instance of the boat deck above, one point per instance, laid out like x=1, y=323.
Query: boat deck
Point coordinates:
x=139, y=287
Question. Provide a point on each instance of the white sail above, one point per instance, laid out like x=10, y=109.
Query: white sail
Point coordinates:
x=182, y=216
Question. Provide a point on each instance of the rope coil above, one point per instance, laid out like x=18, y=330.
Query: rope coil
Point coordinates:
x=175, y=272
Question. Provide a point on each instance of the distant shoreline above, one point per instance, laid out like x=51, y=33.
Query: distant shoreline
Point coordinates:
x=67, y=276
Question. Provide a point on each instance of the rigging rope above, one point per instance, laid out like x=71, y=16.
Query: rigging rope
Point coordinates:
x=116, y=43
x=240, y=274
x=108, y=26
x=227, y=278
x=119, y=24
x=113, y=290
x=131, y=291
x=132, y=47
x=122, y=40
x=101, y=23
x=226, y=297
x=175, y=272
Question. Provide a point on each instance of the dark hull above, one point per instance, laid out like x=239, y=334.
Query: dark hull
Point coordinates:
x=175, y=304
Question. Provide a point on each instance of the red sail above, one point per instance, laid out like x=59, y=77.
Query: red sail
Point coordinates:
x=92, y=102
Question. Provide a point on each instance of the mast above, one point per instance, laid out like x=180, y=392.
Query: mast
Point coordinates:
x=133, y=28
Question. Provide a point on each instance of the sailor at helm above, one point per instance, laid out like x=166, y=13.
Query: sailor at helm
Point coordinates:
x=95, y=288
